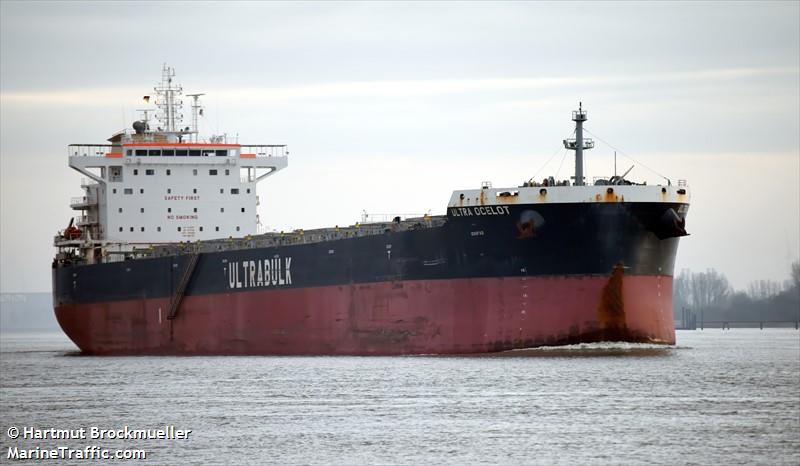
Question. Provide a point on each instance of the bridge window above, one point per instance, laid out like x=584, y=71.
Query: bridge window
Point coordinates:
x=208, y=152
x=155, y=152
x=222, y=153
x=181, y=152
x=194, y=153
x=141, y=152
x=168, y=152
x=129, y=152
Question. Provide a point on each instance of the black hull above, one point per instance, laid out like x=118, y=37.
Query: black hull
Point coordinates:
x=576, y=239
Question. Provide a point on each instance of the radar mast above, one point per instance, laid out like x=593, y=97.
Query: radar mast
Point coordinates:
x=579, y=143
x=169, y=103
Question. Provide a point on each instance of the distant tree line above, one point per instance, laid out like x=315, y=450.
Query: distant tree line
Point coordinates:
x=708, y=296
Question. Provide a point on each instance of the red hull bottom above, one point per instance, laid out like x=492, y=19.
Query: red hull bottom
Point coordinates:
x=476, y=315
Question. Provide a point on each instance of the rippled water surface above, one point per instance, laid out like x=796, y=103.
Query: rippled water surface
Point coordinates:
x=717, y=398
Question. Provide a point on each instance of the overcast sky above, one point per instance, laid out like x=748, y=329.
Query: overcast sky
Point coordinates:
x=388, y=107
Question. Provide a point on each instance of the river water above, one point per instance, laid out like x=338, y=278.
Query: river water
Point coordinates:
x=718, y=397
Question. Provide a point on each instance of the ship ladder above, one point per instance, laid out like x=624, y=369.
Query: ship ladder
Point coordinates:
x=177, y=297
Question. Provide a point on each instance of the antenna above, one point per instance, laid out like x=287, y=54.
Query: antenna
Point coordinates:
x=579, y=143
x=146, y=115
x=168, y=101
x=195, y=108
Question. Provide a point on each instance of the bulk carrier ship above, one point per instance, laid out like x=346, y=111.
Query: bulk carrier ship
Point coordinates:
x=167, y=258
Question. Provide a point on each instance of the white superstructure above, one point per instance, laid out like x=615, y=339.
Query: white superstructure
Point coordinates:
x=167, y=185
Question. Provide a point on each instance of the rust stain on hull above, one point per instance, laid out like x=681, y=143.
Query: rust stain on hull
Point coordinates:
x=608, y=197
x=526, y=230
x=611, y=309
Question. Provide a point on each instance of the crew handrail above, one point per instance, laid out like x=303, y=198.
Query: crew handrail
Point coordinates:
x=251, y=150
x=264, y=150
x=89, y=150
x=85, y=219
x=82, y=200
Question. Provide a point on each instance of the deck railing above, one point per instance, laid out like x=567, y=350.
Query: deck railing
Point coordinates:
x=82, y=200
x=85, y=219
x=246, y=151
x=89, y=150
x=264, y=150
